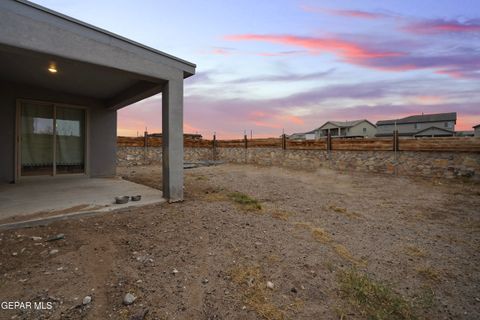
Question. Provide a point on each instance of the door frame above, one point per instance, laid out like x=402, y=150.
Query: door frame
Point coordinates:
x=18, y=142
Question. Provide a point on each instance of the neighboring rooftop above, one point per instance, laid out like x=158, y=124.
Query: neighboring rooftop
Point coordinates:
x=346, y=124
x=435, y=117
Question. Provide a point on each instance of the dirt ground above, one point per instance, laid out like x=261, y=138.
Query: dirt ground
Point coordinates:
x=259, y=243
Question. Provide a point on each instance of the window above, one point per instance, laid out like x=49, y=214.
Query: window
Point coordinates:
x=364, y=130
x=416, y=126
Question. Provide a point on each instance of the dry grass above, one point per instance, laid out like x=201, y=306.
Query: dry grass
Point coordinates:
x=320, y=235
x=281, y=215
x=214, y=194
x=344, y=253
x=415, y=251
x=254, y=292
x=373, y=300
x=296, y=305
x=429, y=273
x=345, y=212
x=245, y=201
x=303, y=225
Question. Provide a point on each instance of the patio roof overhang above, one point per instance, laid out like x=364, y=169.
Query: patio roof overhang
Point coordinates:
x=90, y=61
x=93, y=63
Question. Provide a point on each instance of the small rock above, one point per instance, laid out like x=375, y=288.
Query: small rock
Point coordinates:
x=294, y=290
x=128, y=299
x=140, y=315
x=270, y=285
x=174, y=271
x=87, y=300
x=205, y=281
x=53, y=251
x=14, y=254
x=59, y=236
x=36, y=238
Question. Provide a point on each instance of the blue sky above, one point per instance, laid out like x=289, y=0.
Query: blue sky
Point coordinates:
x=269, y=66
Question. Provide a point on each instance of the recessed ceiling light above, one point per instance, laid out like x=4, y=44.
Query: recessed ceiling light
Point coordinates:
x=52, y=68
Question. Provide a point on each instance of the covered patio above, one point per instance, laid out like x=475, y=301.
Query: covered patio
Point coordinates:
x=36, y=202
x=61, y=85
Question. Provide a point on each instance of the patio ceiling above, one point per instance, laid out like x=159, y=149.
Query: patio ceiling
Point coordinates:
x=90, y=61
x=74, y=77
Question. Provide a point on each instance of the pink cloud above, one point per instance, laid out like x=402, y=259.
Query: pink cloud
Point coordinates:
x=294, y=119
x=346, y=49
x=345, y=13
x=461, y=64
x=443, y=26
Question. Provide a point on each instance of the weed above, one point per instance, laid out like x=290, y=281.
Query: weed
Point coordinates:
x=429, y=273
x=425, y=299
x=373, y=300
x=245, y=201
x=254, y=292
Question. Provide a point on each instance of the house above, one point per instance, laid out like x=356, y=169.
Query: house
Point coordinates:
x=186, y=136
x=303, y=136
x=347, y=129
x=476, y=130
x=424, y=125
x=61, y=85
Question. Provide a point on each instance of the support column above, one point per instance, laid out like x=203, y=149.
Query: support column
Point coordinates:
x=172, y=140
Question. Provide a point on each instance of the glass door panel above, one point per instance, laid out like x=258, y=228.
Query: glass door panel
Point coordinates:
x=70, y=140
x=36, y=139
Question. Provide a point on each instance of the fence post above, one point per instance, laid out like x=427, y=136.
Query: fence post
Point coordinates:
x=395, y=149
x=284, y=141
x=245, y=141
x=329, y=141
x=145, y=147
x=395, y=141
x=214, y=147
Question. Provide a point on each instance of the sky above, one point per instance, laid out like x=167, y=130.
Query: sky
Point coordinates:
x=269, y=67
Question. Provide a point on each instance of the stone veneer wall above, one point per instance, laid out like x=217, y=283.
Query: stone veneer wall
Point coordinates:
x=408, y=163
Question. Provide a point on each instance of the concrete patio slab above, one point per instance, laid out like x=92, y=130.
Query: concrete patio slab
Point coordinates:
x=47, y=198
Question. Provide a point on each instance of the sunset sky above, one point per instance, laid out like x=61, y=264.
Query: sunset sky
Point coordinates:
x=272, y=65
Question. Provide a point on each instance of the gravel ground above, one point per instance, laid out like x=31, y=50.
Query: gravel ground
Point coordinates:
x=257, y=243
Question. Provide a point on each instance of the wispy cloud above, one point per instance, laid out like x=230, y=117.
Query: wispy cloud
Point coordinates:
x=285, y=77
x=345, y=13
x=443, y=26
x=462, y=63
x=344, y=48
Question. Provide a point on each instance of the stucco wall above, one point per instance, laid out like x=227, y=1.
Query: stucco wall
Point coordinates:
x=102, y=128
x=408, y=163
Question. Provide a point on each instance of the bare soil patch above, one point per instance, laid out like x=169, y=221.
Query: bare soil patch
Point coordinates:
x=329, y=246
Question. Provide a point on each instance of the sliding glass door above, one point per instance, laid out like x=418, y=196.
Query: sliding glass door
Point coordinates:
x=70, y=140
x=36, y=139
x=52, y=139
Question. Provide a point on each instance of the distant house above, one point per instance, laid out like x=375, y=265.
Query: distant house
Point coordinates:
x=303, y=136
x=424, y=125
x=349, y=129
x=476, y=130
x=189, y=136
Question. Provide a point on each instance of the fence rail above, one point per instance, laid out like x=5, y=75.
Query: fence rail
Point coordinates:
x=460, y=144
